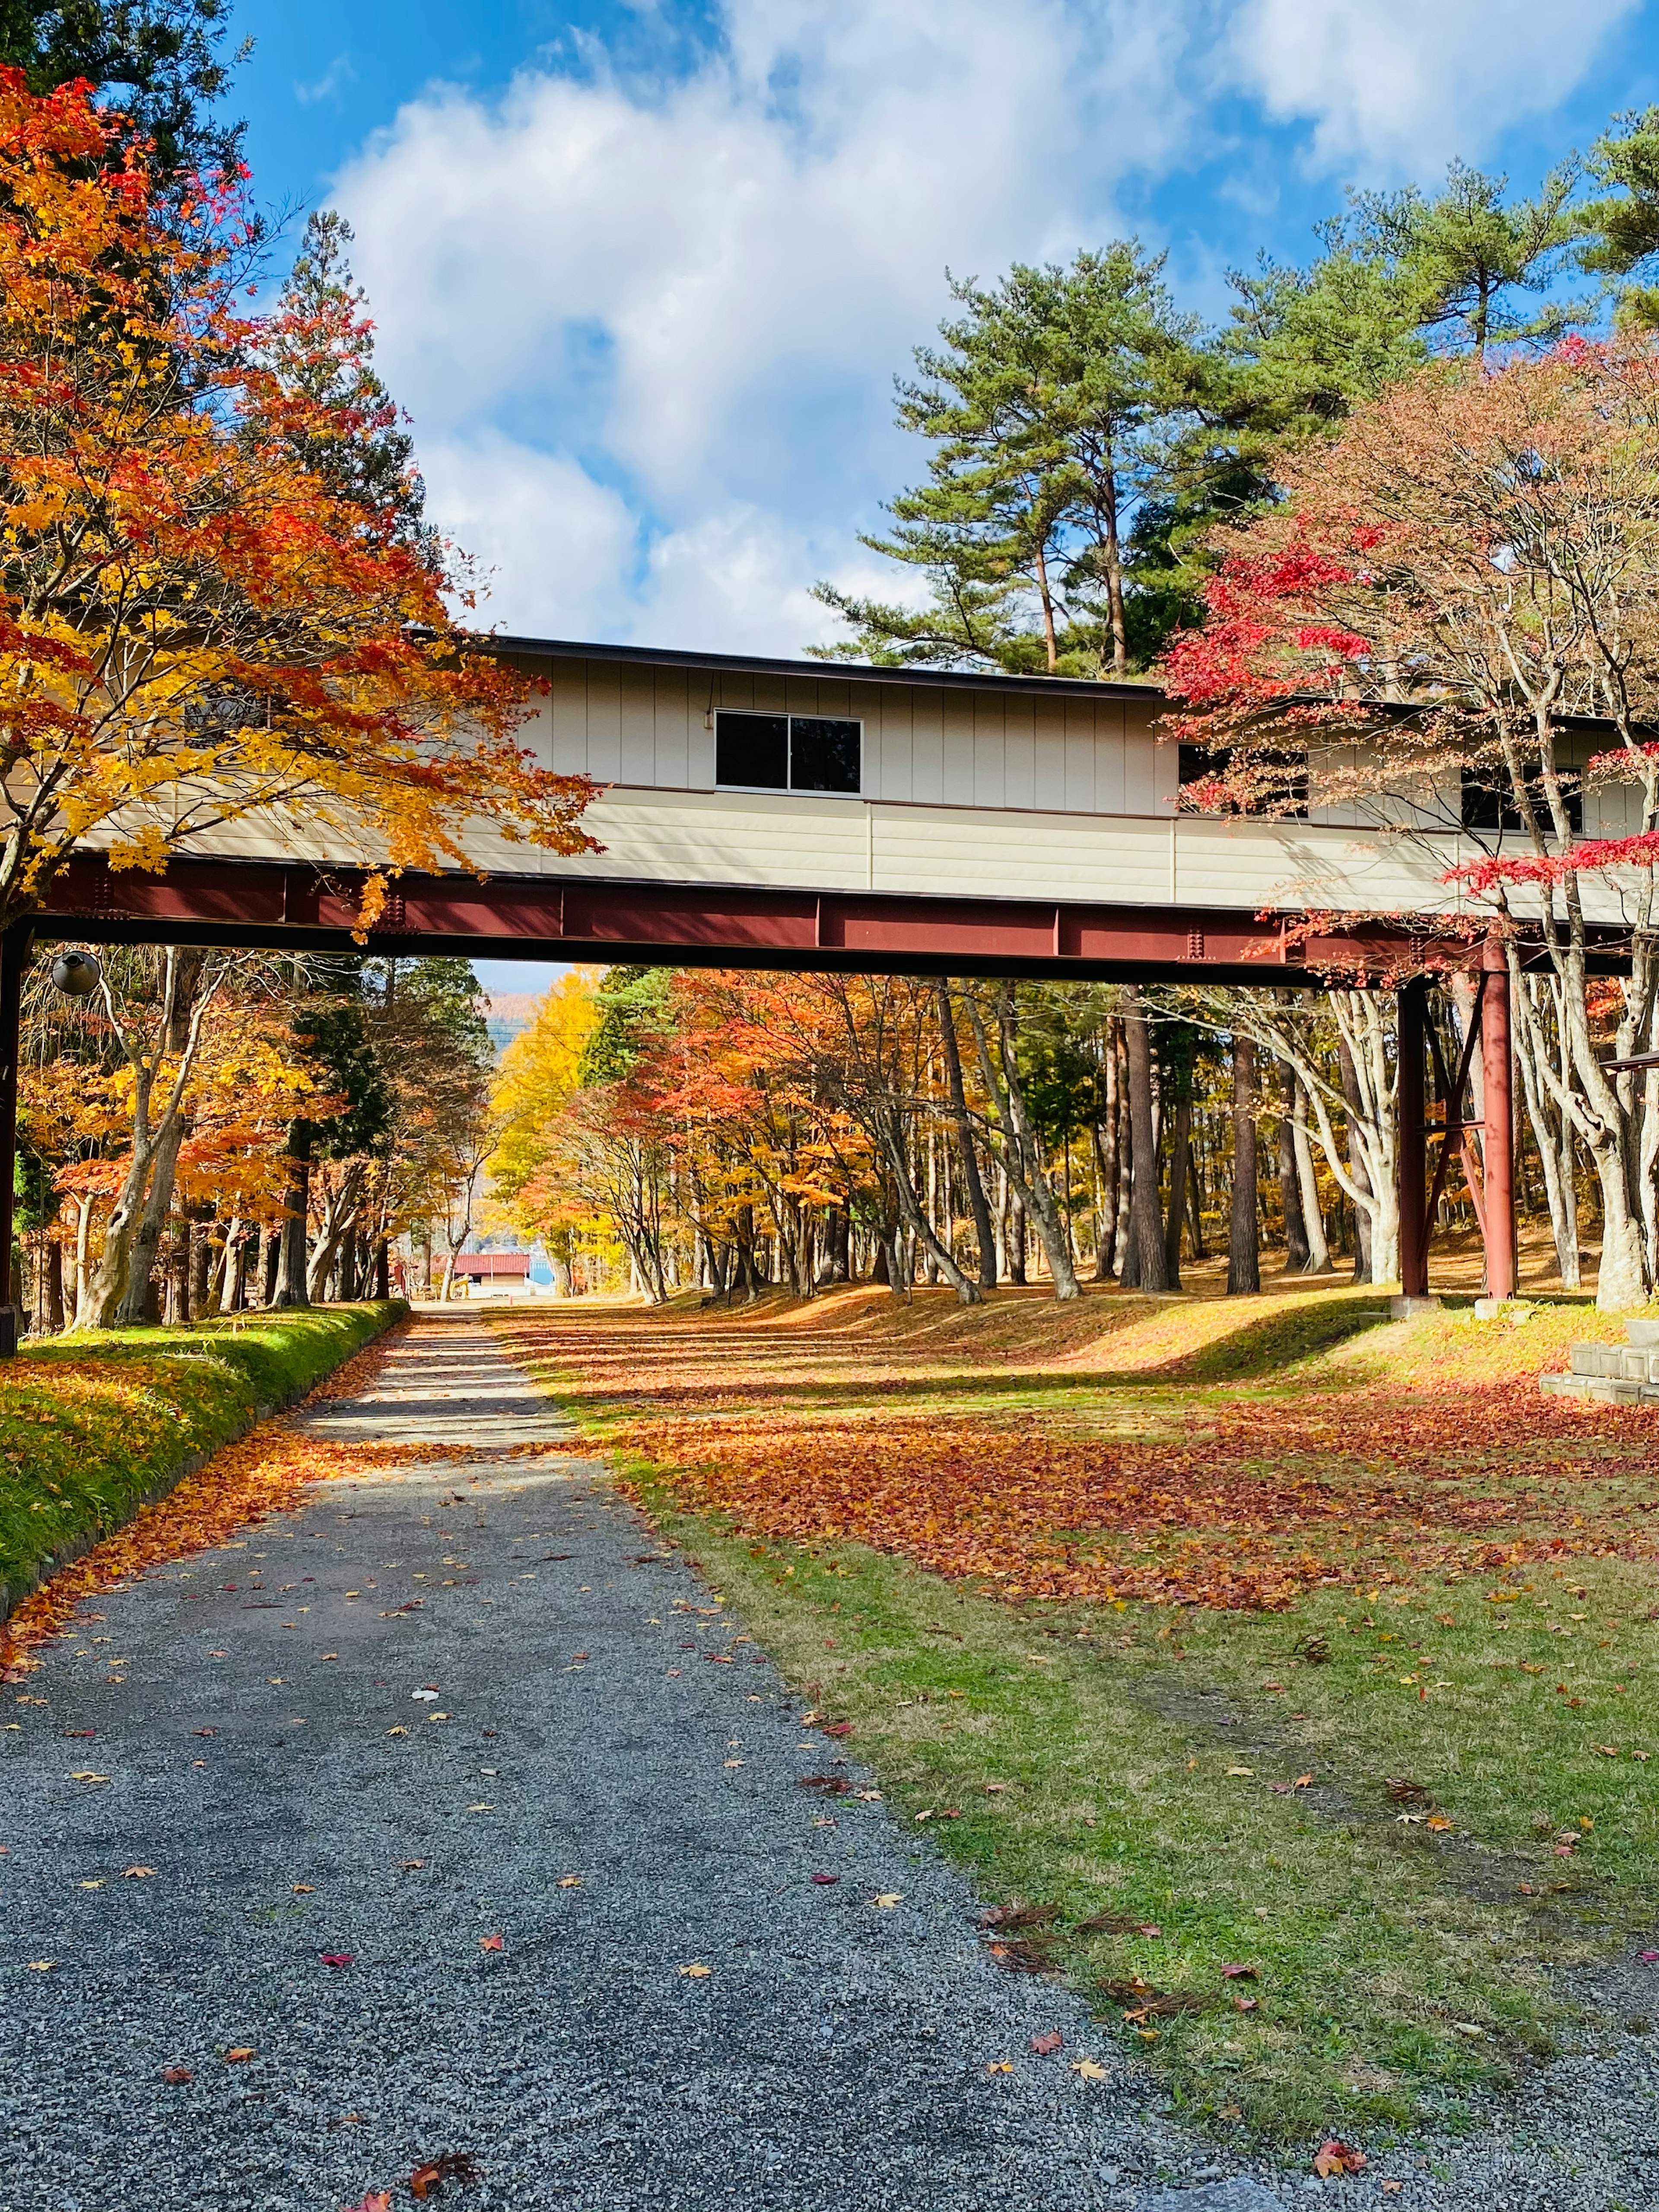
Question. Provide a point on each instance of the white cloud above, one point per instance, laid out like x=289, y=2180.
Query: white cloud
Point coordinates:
x=547, y=535
x=329, y=85
x=699, y=288
x=1408, y=84
x=645, y=327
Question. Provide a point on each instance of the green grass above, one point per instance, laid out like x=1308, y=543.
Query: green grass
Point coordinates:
x=89, y=1425
x=1400, y=1969
x=1378, y=1943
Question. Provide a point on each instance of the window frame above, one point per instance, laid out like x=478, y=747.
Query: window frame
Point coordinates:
x=790, y=790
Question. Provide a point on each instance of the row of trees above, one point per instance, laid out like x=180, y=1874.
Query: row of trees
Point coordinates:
x=214, y=1131
x=221, y=600
x=218, y=1131
x=664, y=1130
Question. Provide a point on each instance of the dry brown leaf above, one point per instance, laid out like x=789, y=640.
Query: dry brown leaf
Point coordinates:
x=1336, y=2156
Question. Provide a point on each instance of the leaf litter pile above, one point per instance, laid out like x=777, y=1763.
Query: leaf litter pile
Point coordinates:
x=1200, y=1496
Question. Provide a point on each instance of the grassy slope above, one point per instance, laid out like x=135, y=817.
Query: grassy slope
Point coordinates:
x=87, y=1427
x=1397, y=1966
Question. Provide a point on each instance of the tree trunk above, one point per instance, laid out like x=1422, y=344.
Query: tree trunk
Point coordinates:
x=1013, y=1235
x=135, y=1302
x=1146, y=1238
x=1243, y=1259
x=1195, y=1194
x=1362, y=1218
x=1313, y=1221
x=179, y=1306
x=972, y=1182
x=1021, y=1155
x=1290, y=1182
x=891, y=1130
x=1106, y=1142
x=1531, y=998
x=1180, y=1159
x=291, y=1287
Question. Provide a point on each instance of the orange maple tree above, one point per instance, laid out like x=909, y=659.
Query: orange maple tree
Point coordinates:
x=203, y=616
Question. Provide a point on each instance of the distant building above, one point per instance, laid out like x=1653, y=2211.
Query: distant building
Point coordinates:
x=492, y=1267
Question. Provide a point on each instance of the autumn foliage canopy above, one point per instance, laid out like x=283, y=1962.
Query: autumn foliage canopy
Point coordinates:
x=206, y=613
x=1472, y=565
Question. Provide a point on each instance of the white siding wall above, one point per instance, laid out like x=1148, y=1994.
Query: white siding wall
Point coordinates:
x=967, y=793
x=643, y=727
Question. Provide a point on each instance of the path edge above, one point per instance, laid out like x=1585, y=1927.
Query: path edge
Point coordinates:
x=13, y=1595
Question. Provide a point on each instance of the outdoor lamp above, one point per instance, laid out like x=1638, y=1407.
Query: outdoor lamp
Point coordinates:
x=76, y=974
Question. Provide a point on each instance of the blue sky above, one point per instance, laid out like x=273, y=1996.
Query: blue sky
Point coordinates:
x=643, y=273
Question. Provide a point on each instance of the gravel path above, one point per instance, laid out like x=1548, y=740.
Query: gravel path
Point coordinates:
x=464, y=1731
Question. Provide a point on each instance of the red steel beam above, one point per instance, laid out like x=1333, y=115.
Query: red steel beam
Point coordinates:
x=576, y=917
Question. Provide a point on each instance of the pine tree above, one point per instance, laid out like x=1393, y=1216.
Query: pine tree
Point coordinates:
x=157, y=62
x=1622, y=228
x=354, y=436
x=1470, y=259
x=1052, y=407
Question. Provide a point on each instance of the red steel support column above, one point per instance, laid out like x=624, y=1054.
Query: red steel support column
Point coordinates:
x=1496, y=1066
x=1413, y=1176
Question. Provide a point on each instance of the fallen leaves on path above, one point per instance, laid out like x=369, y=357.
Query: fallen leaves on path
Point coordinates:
x=427, y=2180
x=1335, y=2156
x=265, y=1471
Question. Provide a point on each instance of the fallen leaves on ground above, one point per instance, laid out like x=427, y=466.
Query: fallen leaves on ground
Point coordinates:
x=429, y=2179
x=265, y=1471
x=1048, y=2043
x=1335, y=2156
x=373, y=2199
x=1023, y=1954
x=1011, y=1917
x=240, y=2053
x=174, y=2076
x=1231, y=1503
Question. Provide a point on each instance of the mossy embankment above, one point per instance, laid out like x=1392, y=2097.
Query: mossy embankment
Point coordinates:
x=90, y=1427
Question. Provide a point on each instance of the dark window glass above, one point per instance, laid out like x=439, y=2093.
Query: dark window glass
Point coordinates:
x=1282, y=777
x=824, y=755
x=1489, y=803
x=753, y=750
